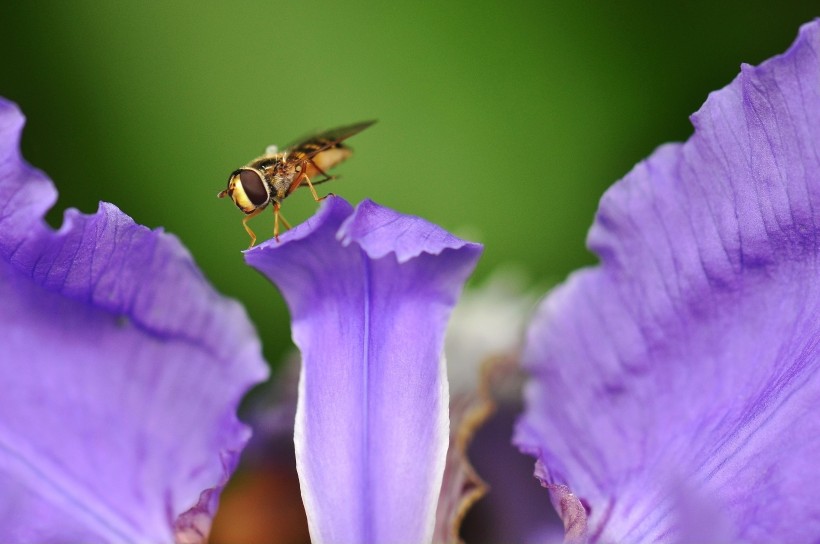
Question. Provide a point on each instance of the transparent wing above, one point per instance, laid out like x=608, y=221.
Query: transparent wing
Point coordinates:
x=312, y=145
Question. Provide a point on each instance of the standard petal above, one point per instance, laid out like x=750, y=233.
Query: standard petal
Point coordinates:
x=369, y=292
x=674, y=387
x=121, y=370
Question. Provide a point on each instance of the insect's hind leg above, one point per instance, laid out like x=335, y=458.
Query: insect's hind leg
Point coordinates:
x=316, y=196
x=327, y=177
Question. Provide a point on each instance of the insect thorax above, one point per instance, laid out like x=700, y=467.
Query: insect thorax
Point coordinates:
x=282, y=177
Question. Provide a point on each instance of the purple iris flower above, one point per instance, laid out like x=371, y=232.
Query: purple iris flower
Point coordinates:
x=674, y=389
x=370, y=292
x=120, y=370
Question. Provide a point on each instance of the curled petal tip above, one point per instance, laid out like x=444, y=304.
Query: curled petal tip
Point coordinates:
x=371, y=424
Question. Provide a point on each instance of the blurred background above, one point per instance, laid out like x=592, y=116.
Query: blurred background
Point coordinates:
x=502, y=122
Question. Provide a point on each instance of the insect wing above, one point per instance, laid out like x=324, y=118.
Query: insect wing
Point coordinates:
x=313, y=145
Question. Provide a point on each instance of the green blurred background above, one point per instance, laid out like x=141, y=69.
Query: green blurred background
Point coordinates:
x=502, y=122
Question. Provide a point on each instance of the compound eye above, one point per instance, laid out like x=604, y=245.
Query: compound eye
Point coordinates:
x=254, y=187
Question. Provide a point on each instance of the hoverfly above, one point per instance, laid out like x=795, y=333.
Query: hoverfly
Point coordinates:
x=275, y=175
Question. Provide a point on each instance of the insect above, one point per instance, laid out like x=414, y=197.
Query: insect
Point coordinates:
x=275, y=175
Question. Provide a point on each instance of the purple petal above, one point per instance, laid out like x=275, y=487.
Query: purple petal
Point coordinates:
x=121, y=371
x=674, y=388
x=369, y=292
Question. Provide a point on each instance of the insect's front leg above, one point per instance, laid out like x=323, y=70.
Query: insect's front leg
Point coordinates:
x=254, y=213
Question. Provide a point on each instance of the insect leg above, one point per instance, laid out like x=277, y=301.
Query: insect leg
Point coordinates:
x=313, y=190
x=298, y=181
x=284, y=221
x=254, y=213
x=277, y=215
x=327, y=177
x=276, y=221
